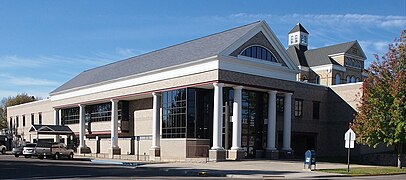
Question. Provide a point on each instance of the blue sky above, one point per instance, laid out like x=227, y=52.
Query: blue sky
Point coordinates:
x=45, y=43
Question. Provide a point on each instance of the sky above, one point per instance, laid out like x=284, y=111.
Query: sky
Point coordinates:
x=45, y=43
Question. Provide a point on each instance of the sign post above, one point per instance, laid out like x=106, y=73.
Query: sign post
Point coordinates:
x=349, y=138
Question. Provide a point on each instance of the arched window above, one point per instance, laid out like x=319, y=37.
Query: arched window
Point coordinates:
x=291, y=40
x=348, y=79
x=259, y=52
x=304, y=79
x=317, y=80
x=357, y=80
x=305, y=39
x=352, y=79
x=295, y=38
x=338, y=79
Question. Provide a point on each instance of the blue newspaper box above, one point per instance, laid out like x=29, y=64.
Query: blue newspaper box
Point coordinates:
x=310, y=159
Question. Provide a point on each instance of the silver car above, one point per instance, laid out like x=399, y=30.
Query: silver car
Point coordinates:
x=29, y=150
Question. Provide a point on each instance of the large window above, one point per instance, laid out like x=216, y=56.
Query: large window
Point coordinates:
x=174, y=114
x=95, y=113
x=338, y=79
x=259, y=52
x=17, y=121
x=316, y=110
x=39, y=118
x=298, y=107
x=279, y=103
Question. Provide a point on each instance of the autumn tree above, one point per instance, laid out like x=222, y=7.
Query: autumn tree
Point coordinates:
x=12, y=101
x=382, y=109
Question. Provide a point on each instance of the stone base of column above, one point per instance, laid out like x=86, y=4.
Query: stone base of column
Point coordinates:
x=114, y=151
x=155, y=154
x=85, y=150
x=217, y=155
x=235, y=154
x=272, y=154
x=286, y=154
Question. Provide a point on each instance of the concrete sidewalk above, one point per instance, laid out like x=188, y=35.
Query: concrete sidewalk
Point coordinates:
x=254, y=169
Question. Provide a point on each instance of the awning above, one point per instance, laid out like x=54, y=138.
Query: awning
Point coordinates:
x=51, y=129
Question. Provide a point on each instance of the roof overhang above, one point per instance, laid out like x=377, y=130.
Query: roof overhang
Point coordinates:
x=51, y=129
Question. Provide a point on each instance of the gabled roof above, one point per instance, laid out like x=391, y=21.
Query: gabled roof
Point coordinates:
x=51, y=129
x=298, y=27
x=320, y=56
x=297, y=56
x=189, y=51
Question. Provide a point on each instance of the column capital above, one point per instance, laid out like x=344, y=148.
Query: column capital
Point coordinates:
x=56, y=109
x=288, y=94
x=114, y=100
x=218, y=84
x=272, y=92
x=237, y=87
x=156, y=93
x=81, y=105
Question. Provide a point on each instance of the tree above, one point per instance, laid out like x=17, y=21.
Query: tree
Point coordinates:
x=382, y=109
x=12, y=101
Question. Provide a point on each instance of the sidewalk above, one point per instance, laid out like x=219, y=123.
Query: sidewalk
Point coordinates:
x=254, y=169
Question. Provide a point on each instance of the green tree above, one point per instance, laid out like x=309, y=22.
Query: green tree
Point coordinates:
x=12, y=101
x=382, y=110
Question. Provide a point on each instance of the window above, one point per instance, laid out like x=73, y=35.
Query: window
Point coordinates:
x=317, y=80
x=259, y=52
x=11, y=122
x=357, y=80
x=316, y=110
x=16, y=121
x=348, y=79
x=298, y=107
x=70, y=116
x=32, y=118
x=174, y=114
x=295, y=38
x=301, y=39
x=304, y=79
x=291, y=40
x=305, y=39
x=352, y=79
x=279, y=103
x=23, y=117
x=338, y=79
x=40, y=118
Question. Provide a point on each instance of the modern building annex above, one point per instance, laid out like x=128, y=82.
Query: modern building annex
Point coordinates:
x=231, y=95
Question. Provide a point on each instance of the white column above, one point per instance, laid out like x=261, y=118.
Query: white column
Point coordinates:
x=271, y=138
x=114, y=123
x=237, y=116
x=156, y=120
x=287, y=121
x=218, y=116
x=82, y=126
x=56, y=116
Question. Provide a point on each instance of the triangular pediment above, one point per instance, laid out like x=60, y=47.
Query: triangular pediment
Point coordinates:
x=356, y=50
x=262, y=35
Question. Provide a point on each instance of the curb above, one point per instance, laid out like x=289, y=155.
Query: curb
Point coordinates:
x=97, y=161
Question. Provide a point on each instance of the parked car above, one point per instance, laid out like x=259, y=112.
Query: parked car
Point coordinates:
x=29, y=150
x=3, y=149
x=17, y=151
x=53, y=150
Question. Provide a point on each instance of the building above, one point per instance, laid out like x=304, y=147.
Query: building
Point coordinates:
x=234, y=94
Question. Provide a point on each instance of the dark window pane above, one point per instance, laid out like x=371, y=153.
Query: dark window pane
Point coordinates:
x=263, y=54
x=248, y=52
x=254, y=52
x=259, y=52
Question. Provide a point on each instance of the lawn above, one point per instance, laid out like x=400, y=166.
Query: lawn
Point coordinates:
x=366, y=171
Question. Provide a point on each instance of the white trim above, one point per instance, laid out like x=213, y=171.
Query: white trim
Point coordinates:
x=275, y=43
x=143, y=78
x=304, y=68
x=257, y=67
x=328, y=67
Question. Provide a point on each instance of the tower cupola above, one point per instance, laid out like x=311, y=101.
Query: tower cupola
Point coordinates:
x=298, y=37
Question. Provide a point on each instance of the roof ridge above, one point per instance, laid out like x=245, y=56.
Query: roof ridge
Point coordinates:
x=172, y=46
x=331, y=45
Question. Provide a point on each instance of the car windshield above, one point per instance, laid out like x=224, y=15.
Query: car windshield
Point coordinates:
x=30, y=145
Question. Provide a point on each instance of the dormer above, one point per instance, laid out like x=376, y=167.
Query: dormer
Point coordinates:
x=298, y=37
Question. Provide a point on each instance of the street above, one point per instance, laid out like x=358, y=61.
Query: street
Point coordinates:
x=83, y=168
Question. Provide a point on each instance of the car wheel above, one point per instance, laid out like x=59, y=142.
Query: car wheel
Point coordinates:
x=40, y=157
x=70, y=156
x=27, y=156
x=57, y=156
x=3, y=151
x=16, y=155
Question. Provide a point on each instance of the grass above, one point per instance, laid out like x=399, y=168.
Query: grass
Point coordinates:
x=366, y=171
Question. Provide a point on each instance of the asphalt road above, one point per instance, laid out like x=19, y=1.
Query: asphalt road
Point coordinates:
x=21, y=168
